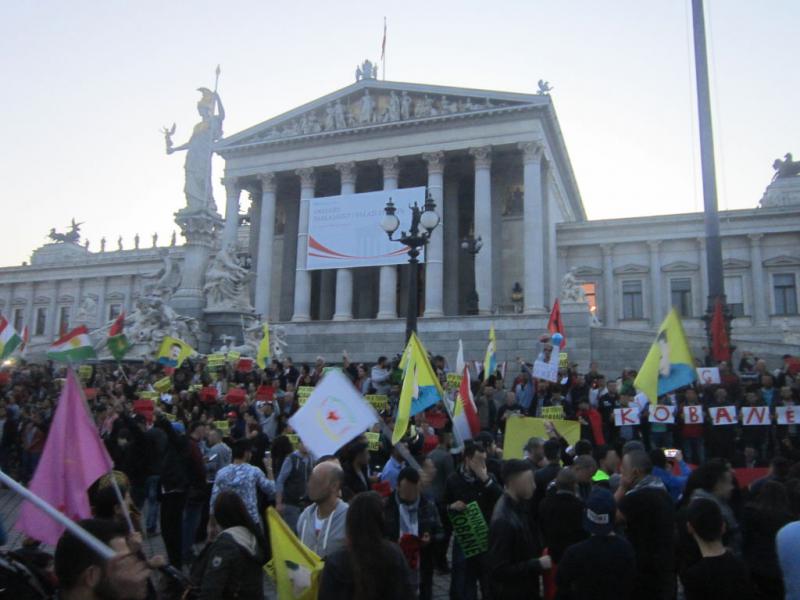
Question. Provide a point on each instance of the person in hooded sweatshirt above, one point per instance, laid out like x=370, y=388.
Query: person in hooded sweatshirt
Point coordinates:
x=321, y=526
x=230, y=566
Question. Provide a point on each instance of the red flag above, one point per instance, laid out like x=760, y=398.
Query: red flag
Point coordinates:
x=720, y=344
x=556, y=325
x=118, y=326
x=26, y=336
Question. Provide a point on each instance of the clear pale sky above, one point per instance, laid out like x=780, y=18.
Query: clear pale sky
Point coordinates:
x=88, y=84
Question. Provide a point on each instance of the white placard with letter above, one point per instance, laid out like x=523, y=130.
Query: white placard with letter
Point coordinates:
x=693, y=415
x=626, y=416
x=723, y=415
x=755, y=415
x=545, y=370
x=787, y=415
x=662, y=413
x=345, y=231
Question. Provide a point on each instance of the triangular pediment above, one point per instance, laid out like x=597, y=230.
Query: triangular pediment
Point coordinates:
x=372, y=104
x=631, y=269
x=587, y=271
x=782, y=261
x=679, y=265
x=735, y=263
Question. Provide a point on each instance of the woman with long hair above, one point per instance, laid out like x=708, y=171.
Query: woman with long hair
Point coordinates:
x=230, y=566
x=369, y=567
x=762, y=519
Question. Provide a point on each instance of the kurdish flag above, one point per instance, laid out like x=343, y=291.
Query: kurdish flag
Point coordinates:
x=9, y=338
x=263, y=348
x=174, y=351
x=75, y=346
x=297, y=568
x=117, y=341
x=26, y=337
x=490, y=360
x=421, y=388
x=465, y=416
x=669, y=364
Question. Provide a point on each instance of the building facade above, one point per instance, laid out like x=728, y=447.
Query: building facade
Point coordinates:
x=497, y=167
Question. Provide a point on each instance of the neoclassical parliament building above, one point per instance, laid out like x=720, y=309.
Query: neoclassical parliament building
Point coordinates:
x=497, y=167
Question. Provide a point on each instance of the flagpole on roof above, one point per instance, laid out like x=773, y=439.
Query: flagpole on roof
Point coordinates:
x=383, y=50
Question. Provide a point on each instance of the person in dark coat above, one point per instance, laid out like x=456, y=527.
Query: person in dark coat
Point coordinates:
x=514, y=557
x=471, y=483
x=603, y=566
x=231, y=565
x=355, y=464
x=561, y=516
x=761, y=521
x=412, y=520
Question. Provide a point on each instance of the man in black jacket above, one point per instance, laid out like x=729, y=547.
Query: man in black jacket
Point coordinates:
x=515, y=563
x=471, y=483
x=561, y=515
x=409, y=519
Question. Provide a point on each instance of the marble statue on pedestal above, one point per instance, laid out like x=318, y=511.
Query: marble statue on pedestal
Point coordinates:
x=571, y=289
x=199, y=150
x=226, y=285
x=87, y=311
x=167, y=278
x=252, y=335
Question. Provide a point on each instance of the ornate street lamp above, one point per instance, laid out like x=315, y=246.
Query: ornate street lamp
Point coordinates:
x=415, y=238
x=472, y=245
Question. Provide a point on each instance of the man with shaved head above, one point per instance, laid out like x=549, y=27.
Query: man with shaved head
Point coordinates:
x=321, y=526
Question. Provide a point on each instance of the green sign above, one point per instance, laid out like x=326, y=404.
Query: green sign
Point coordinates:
x=223, y=426
x=234, y=356
x=563, y=360
x=294, y=438
x=471, y=530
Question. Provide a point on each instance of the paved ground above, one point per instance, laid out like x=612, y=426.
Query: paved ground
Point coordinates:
x=9, y=509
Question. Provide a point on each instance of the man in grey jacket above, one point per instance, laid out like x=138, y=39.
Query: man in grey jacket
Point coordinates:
x=321, y=526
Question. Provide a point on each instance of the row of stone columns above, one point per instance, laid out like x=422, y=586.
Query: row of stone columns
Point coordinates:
x=533, y=251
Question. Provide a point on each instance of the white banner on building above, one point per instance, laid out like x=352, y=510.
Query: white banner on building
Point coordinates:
x=345, y=231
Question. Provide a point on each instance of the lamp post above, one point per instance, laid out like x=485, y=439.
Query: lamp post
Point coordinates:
x=472, y=245
x=415, y=238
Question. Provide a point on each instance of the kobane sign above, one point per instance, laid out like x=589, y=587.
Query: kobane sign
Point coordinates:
x=344, y=231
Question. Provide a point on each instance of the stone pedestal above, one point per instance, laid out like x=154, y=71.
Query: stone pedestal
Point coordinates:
x=230, y=323
x=577, y=320
x=782, y=192
x=199, y=228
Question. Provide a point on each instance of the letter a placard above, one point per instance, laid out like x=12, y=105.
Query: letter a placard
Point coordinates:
x=723, y=415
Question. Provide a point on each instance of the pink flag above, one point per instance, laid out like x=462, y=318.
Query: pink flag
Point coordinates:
x=73, y=458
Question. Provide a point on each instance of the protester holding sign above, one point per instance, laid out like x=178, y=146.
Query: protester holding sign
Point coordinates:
x=515, y=558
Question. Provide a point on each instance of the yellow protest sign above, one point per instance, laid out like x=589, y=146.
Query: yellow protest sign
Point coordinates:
x=374, y=440
x=170, y=416
x=294, y=438
x=85, y=372
x=148, y=395
x=303, y=392
x=552, y=413
x=563, y=360
x=163, y=385
x=378, y=401
x=215, y=361
x=520, y=429
x=195, y=387
x=234, y=356
x=453, y=380
x=223, y=426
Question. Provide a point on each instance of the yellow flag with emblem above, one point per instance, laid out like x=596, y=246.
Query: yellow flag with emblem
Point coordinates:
x=669, y=364
x=297, y=570
x=263, y=348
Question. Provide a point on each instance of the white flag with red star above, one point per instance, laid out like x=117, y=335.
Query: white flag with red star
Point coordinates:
x=333, y=415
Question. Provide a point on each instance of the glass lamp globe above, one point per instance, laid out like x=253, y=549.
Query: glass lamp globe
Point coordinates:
x=429, y=220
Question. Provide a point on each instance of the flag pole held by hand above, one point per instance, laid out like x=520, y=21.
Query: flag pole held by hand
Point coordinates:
x=79, y=532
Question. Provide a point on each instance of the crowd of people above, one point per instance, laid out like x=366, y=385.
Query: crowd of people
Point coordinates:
x=653, y=510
